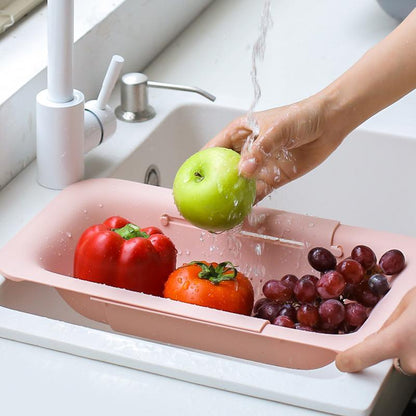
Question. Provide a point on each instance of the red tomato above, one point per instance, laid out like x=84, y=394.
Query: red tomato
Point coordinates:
x=218, y=286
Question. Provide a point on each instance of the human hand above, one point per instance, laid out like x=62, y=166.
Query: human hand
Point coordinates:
x=291, y=141
x=396, y=339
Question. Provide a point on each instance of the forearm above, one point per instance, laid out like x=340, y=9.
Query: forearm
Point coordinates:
x=382, y=76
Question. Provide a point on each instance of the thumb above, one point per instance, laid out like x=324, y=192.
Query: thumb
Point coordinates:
x=376, y=348
x=372, y=350
x=384, y=344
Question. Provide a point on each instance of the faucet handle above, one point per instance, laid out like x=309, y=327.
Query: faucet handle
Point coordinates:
x=100, y=122
x=134, y=97
x=110, y=79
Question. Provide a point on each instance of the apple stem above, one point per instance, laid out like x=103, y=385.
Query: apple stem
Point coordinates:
x=199, y=176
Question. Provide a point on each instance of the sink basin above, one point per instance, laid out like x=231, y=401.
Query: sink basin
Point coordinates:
x=364, y=182
x=363, y=168
x=270, y=244
x=183, y=132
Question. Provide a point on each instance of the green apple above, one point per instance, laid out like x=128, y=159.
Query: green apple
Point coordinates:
x=210, y=193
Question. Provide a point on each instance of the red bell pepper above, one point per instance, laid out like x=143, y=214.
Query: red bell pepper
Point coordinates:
x=118, y=253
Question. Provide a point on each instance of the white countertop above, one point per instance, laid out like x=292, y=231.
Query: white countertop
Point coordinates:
x=310, y=44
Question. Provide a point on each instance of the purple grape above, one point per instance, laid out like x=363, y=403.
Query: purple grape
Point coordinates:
x=289, y=280
x=269, y=310
x=392, y=262
x=283, y=320
x=308, y=315
x=322, y=259
x=378, y=284
x=259, y=303
x=332, y=313
x=305, y=289
x=348, y=292
x=364, y=255
x=289, y=311
x=355, y=314
x=277, y=290
x=364, y=295
x=330, y=285
x=352, y=271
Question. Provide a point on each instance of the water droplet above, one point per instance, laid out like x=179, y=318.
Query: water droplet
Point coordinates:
x=258, y=249
x=68, y=234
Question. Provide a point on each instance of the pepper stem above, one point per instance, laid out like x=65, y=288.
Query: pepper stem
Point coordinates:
x=130, y=231
x=216, y=274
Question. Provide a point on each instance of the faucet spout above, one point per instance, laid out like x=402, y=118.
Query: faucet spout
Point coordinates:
x=66, y=127
x=60, y=50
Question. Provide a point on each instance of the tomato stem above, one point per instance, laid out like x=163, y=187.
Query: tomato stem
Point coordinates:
x=216, y=274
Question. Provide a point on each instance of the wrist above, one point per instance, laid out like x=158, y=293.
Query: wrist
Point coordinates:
x=341, y=114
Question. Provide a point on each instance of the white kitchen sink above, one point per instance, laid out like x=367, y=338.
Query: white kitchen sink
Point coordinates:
x=364, y=183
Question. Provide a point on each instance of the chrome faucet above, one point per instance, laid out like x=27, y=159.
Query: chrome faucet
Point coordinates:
x=66, y=128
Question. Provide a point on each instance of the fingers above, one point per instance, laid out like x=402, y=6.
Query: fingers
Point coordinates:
x=387, y=343
x=396, y=339
x=374, y=349
x=262, y=156
x=249, y=167
x=255, y=157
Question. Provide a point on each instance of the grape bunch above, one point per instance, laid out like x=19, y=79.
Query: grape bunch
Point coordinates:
x=339, y=300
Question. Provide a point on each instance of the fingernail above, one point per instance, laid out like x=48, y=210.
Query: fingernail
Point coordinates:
x=248, y=166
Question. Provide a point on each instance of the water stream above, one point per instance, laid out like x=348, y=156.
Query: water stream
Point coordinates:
x=255, y=270
x=257, y=56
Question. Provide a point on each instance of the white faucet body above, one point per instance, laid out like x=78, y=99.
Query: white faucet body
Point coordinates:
x=60, y=140
x=66, y=127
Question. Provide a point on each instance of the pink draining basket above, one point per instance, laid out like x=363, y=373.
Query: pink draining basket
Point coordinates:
x=269, y=245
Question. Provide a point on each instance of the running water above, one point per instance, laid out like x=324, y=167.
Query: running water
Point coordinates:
x=258, y=55
x=233, y=237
